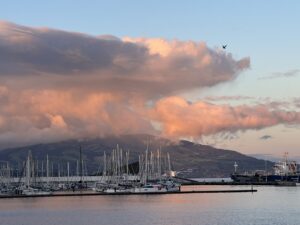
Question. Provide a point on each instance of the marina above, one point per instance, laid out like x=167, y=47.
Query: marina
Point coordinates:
x=153, y=175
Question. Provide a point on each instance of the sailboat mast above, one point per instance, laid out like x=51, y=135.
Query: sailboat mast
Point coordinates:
x=81, y=163
x=68, y=170
x=169, y=163
x=104, y=164
x=47, y=168
x=28, y=172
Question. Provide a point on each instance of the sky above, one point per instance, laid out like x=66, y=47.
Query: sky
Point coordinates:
x=72, y=69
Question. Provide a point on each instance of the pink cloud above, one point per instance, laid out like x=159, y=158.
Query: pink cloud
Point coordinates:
x=179, y=118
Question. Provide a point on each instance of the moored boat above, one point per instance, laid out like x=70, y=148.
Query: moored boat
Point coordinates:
x=283, y=171
x=150, y=188
x=34, y=192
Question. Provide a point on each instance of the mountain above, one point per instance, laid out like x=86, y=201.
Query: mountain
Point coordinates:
x=275, y=158
x=188, y=158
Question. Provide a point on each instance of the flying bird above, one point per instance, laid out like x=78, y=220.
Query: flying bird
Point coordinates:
x=224, y=46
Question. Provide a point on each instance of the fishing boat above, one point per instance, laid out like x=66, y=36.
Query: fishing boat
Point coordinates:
x=283, y=171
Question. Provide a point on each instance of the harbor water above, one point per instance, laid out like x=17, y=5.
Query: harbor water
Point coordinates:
x=270, y=205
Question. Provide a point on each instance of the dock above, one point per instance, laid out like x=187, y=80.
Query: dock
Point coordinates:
x=84, y=193
x=231, y=183
x=187, y=182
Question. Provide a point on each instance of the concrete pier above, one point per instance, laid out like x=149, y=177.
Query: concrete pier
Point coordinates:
x=88, y=193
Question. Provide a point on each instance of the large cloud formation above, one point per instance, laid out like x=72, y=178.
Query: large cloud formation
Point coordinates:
x=56, y=85
x=135, y=65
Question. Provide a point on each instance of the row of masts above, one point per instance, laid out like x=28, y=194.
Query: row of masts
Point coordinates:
x=117, y=164
x=116, y=167
x=5, y=172
x=32, y=171
x=152, y=165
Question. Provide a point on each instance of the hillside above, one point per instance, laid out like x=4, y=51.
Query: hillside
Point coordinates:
x=190, y=159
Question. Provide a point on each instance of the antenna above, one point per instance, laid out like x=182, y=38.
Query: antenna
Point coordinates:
x=235, y=167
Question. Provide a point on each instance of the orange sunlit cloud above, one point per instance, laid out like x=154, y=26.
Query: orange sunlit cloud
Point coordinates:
x=179, y=118
x=56, y=85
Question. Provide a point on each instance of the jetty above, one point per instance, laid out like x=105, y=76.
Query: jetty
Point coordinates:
x=87, y=193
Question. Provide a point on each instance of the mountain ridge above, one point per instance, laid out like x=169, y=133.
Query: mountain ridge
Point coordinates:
x=188, y=158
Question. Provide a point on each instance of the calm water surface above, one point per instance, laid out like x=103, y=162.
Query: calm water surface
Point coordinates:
x=270, y=205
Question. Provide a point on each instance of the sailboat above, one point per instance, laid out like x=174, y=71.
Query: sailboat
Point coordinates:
x=154, y=178
x=27, y=188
